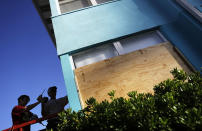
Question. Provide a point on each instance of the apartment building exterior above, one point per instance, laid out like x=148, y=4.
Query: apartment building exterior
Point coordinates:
x=121, y=45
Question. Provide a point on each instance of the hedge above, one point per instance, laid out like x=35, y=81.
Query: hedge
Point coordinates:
x=175, y=105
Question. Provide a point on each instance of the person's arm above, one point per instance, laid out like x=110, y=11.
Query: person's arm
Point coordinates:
x=44, y=111
x=29, y=107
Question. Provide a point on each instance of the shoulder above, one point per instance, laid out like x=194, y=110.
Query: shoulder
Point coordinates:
x=62, y=100
x=19, y=108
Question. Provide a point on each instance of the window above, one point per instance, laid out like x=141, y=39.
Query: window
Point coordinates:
x=141, y=41
x=101, y=1
x=116, y=48
x=70, y=5
x=94, y=55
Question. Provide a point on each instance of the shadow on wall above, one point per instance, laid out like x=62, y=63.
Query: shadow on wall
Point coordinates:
x=185, y=34
x=158, y=10
x=181, y=28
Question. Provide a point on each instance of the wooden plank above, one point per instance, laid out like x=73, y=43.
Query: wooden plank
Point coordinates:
x=137, y=71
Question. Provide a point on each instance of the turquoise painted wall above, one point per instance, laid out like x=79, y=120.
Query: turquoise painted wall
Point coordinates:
x=186, y=34
x=92, y=25
x=89, y=26
x=68, y=73
x=196, y=3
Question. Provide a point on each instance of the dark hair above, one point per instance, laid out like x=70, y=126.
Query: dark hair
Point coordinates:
x=22, y=97
x=53, y=88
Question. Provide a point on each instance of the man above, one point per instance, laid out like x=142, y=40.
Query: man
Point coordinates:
x=21, y=113
x=53, y=106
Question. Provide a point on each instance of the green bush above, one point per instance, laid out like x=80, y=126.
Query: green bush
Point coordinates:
x=175, y=105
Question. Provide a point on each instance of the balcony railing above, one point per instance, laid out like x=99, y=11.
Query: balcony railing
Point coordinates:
x=20, y=126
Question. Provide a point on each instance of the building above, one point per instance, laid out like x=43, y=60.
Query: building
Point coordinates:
x=121, y=45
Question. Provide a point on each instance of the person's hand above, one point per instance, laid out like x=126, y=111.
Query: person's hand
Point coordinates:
x=39, y=98
x=44, y=100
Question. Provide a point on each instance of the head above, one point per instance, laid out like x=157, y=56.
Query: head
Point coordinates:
x=52, y=92
x=23, y=100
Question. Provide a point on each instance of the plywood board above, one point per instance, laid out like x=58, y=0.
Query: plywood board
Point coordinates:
x=137, y=71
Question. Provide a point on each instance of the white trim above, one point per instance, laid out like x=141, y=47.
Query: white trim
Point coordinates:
x=161, y=35
x=93, y=2
x=58, y=7
x=118, y=47
x=72, y=62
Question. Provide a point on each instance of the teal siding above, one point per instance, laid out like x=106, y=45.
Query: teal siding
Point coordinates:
x=185, y=33
x=195, y=3
x=92, y=25
x=68, y=73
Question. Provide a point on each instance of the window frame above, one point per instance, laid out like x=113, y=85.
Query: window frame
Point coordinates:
x=93, y=2
x=191, y=9
x=117, y=46
x=94, y=53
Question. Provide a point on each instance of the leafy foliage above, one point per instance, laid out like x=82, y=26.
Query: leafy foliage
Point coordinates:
x=175, y=105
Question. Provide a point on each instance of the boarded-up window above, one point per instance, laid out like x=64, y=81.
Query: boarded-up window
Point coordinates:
x=137, y=71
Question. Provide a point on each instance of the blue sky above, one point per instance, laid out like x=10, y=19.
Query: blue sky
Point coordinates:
x=28, y=58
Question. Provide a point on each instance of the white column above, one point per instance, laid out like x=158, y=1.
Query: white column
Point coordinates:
x=93, y=2
x=119, y=47
x=58, y=7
